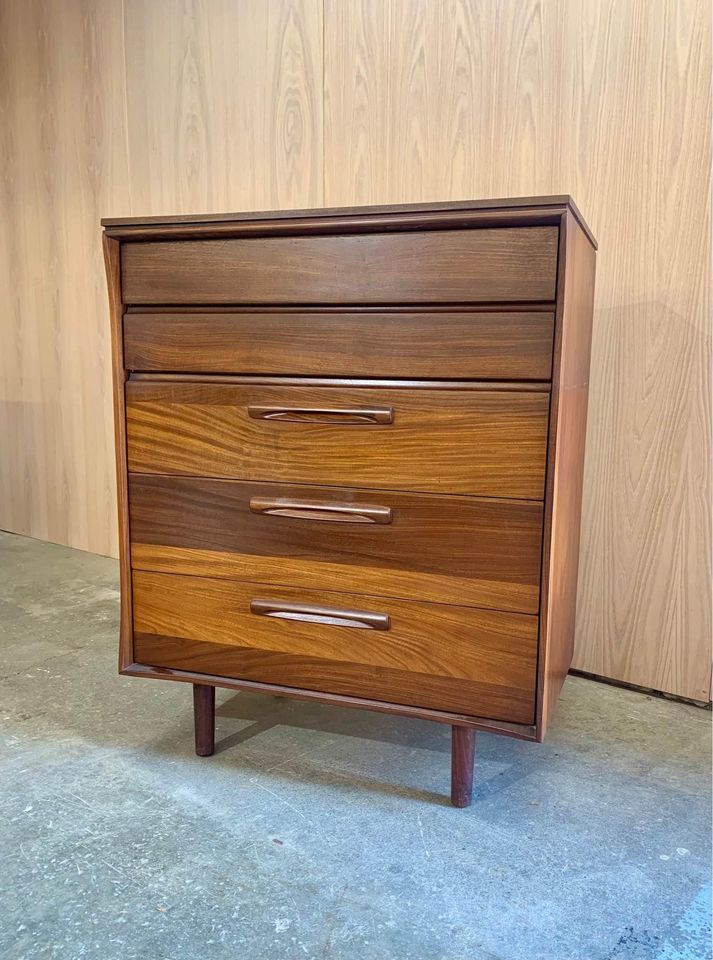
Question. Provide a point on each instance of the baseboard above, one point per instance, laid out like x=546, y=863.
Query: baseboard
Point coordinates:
x=703, y=704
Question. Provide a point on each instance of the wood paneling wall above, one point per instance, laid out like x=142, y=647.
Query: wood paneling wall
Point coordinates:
x=111, y=107
x=224, y=104
x=63, y=161
x=179, y=106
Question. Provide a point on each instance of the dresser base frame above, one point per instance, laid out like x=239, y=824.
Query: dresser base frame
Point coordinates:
x=462, y=744
x=463, y=727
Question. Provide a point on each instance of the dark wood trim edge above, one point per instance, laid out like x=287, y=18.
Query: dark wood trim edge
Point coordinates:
x=518, y=731
x=565, y=464
x=462, y=759
x=395, y=216
x=248, y=380
x=540, y=718
x=204, y=719
x=366, y=309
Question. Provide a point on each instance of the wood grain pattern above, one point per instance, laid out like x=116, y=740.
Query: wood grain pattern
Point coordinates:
x=482, y=442
x=224, y=104
x=460, y=266
x=63, y=164
x=456, y=658
x=644, y=614
x=68, y=139
x=453, y=97
x=443, y=549
x=434, y=100
x=476, y=344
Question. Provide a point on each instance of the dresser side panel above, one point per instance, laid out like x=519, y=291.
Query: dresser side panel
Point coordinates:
x=112, y=261
x=565, y=467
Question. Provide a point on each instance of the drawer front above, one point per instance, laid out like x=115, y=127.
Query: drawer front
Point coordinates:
x=378, y=343
x=437, y=656
x=470, y=441
x=450, y=266
x=460, y=550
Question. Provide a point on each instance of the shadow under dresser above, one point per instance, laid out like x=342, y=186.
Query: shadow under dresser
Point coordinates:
x=349, y=451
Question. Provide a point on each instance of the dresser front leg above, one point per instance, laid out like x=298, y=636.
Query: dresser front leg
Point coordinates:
x=462, y=758
x=204, y=718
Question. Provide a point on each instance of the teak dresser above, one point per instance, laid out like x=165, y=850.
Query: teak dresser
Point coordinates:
x=350, y=447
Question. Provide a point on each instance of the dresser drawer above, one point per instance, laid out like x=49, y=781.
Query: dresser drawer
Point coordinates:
x=437, y=656
x=444, y=549
x=485, y=442
x=474, y=344
x=447, y=266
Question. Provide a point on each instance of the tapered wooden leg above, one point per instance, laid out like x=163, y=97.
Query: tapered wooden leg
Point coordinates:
x=462, y=758
x=204, y=718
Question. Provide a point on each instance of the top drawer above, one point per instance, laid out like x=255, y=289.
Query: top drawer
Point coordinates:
x=446, y=266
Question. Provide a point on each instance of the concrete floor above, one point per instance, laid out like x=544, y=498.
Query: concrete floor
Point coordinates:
x=321, y=832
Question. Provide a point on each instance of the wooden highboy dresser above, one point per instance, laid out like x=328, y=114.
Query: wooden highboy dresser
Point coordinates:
x=350, y=447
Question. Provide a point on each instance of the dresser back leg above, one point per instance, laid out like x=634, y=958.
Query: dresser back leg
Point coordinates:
x=462, y=758
x=204, y=718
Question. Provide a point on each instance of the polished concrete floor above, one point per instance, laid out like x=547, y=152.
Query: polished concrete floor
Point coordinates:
x=317, y=832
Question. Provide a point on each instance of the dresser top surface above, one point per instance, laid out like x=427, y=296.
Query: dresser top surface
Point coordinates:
x=556, y=204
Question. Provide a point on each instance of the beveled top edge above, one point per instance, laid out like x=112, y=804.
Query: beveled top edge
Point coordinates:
x=511, y=203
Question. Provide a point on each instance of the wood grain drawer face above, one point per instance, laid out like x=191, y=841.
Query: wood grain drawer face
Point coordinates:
x=460, y=550
x=468, y=441
x=437, y=656
x=460, y=345
x=449, y=266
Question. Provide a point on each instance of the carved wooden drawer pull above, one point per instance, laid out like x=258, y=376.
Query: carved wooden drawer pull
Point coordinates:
x=331, y=616
x=321, y=510
x=322, y=414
